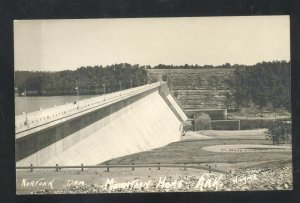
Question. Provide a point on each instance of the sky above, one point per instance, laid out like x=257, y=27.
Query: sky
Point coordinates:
x=53, y=45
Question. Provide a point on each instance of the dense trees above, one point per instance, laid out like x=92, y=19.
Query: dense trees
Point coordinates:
x=279, y=132
x=89, y=79
x=263, y=84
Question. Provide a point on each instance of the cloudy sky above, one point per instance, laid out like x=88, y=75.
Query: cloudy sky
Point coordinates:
x=68, y=44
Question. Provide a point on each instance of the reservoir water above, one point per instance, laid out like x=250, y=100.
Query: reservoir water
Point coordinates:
x=36, y=102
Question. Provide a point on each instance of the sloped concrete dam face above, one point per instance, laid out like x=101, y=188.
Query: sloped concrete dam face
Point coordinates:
x=132, y=125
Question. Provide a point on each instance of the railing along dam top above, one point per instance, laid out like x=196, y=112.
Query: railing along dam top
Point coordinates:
x=42, y=118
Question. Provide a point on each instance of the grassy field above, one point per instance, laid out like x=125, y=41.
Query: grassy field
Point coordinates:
x=188, y=150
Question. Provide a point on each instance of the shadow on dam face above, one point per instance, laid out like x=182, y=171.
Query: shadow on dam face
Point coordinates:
x=139, y=123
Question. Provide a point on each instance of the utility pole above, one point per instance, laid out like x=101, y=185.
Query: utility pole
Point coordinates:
x=195, y=123
x=171, y=82
x=76, y=88
x=120, y=87
x=285, y=137
x=77, y=96
x=26, y=118
x=131, y=85
x=104, y=92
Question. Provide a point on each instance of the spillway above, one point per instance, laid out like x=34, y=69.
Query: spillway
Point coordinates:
x=146, y=123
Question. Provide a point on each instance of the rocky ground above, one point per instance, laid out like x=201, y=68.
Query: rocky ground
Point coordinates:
x=236, y=180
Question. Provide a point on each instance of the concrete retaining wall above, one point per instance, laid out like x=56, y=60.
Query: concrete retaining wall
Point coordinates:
x=247, y=124
x=225, y=125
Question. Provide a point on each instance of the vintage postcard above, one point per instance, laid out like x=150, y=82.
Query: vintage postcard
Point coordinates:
x=139, y=105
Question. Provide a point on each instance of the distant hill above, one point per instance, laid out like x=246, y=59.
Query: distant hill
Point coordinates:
x=199, y=88
x=226, y=86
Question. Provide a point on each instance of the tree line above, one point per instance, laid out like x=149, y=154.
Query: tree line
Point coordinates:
x=266, y=84
x=196, y=66
x=89, y=80
x=263, y=84
x=191, y=66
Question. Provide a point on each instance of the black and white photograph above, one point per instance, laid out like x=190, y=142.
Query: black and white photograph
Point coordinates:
x=153, y=105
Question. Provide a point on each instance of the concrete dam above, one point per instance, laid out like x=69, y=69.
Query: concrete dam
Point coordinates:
x=101, y=128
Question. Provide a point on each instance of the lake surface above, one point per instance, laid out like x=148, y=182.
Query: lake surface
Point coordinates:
x=34, y=103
